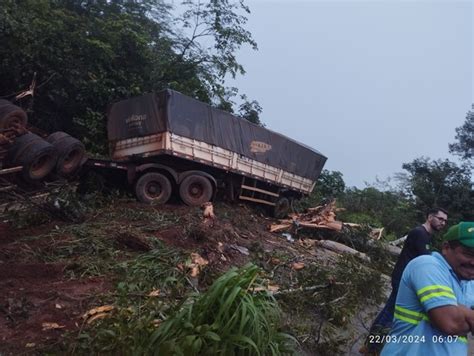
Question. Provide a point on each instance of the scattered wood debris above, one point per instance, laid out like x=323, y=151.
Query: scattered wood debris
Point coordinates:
x=208, y=214
x=297, y=266
x=97, y=313
x=154, y=293
x=324, y=217
x=320, y=217
x=376, y=234
x=196, y=264
x=52, y=326
x=269, y=288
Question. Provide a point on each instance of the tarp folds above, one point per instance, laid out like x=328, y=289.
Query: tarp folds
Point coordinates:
x=171, y=111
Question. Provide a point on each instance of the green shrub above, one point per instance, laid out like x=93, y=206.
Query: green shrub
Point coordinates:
x=231, y=318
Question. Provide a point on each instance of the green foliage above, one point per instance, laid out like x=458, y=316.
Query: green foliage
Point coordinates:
x=442, y=184
x=324, y=300
x=87, y=54
x=231, y=318
x=91, y=247
x=464, y=147
x=389, y=209
x=136, y=314
x=27, y=217
x=330, y=185
x=157, y=269
x=250, y=110
x=61, y=203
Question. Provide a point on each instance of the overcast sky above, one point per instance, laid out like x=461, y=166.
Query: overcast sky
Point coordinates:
x=371, y=85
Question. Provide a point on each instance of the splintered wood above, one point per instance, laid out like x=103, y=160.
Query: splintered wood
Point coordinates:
x=208, y=214
x=324, y=217
x=320, y=217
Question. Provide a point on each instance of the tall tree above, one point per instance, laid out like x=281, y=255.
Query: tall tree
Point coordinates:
x=464, y=147
x=213, y=33
x=441, y=183
x=390, y=209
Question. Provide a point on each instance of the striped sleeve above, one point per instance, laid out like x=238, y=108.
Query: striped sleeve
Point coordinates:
x=433, y=289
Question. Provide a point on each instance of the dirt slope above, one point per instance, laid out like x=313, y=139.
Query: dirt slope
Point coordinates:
x=51, y=274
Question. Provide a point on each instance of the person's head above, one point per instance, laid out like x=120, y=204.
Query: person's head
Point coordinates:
x=436, y=219
x=458, y=249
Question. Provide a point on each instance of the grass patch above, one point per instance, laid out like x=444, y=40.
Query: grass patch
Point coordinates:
x=136, y=314
x=231, y=318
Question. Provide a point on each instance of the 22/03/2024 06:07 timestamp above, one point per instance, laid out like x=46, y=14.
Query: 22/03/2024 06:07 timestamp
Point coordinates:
x=411, y=339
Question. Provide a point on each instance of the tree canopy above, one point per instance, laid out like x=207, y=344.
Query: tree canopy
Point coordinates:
x=464, y=147
x=87, y=54
x=443, y=184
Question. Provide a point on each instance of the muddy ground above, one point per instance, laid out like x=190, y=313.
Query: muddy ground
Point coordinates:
x=51, y=274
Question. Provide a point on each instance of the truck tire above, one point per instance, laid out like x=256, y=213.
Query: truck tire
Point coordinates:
x=153, y=188
x=37, y=156
x=11, y=115
x=282, y=208
x=71, y=153
x=195, y=190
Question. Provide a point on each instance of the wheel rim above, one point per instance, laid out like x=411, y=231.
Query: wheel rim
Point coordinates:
x=196, y=190
x=40, y=167
x=153, y=190
x=71, y=160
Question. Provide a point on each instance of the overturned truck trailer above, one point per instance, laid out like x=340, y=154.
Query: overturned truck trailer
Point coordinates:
x=170, y=142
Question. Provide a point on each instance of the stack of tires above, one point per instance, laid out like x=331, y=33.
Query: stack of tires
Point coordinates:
x=59, y=154
x=11, y=115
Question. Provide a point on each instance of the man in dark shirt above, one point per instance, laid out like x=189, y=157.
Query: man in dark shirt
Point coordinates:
x=417, y=243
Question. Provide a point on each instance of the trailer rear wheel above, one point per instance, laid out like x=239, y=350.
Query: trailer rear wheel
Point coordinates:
x=195, y=190
x=282, y=208
x=153, y=188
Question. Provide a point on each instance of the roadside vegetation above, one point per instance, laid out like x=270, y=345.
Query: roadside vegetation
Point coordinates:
x=90, y=271
x=177, y=286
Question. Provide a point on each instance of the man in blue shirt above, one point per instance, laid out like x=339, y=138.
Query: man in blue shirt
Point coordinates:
x=433, y=307
x=417, y=243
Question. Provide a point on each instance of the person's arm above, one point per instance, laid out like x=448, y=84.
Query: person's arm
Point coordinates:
x=452, y=319
x=433, y=286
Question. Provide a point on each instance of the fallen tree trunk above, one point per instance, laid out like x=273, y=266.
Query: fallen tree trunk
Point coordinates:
x=399, y=241
x=341, y=248
x=393, y=250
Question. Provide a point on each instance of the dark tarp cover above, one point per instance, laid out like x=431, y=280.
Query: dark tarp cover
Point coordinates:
x=171, y=111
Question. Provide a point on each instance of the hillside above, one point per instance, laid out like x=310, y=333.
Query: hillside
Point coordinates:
x=142, y=261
